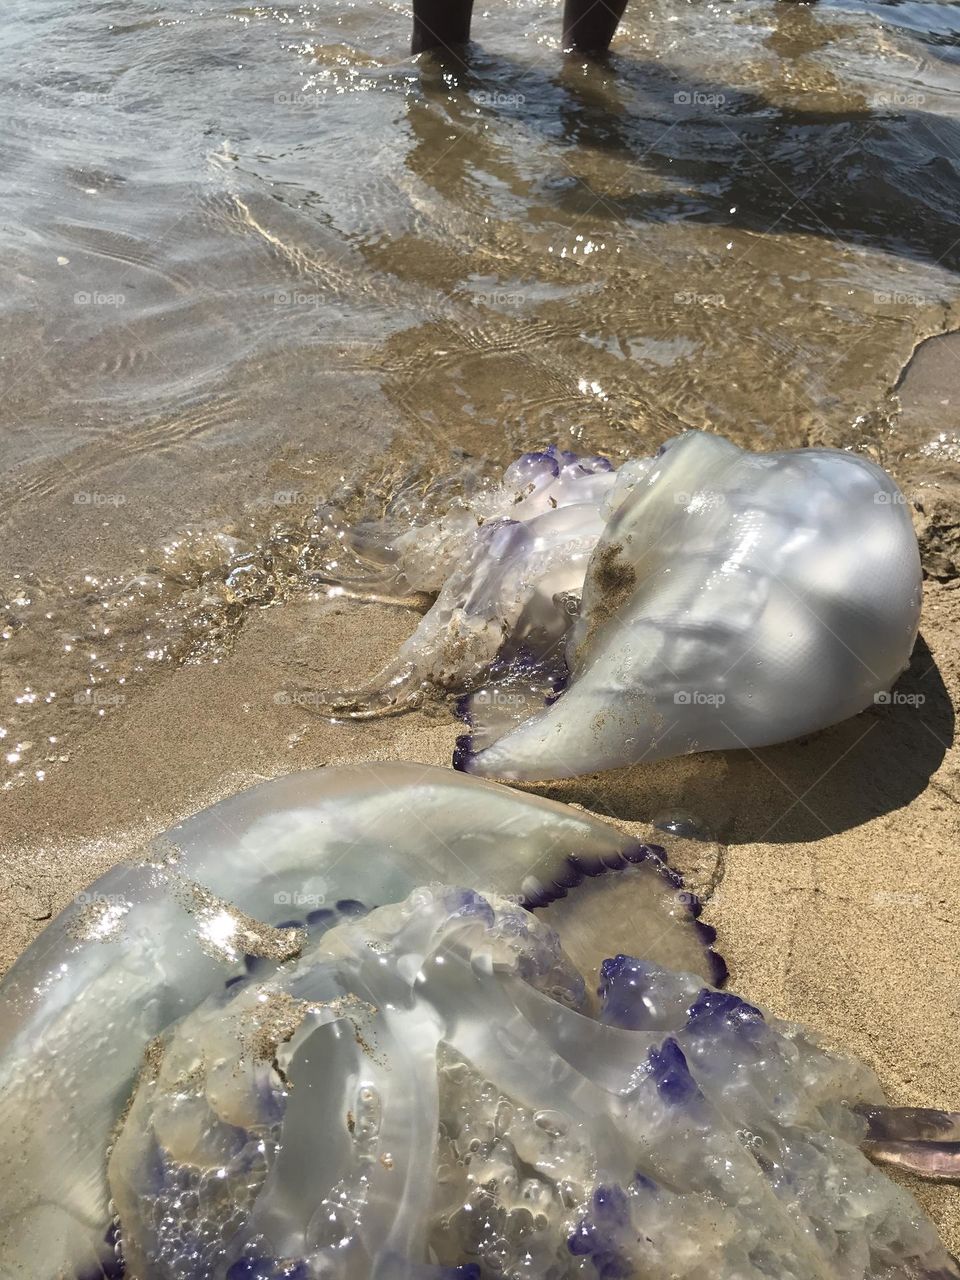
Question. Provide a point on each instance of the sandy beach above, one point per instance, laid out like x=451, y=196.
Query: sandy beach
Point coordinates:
x=258, y=261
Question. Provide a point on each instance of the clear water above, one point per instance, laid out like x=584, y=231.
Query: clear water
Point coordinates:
x=250, y=253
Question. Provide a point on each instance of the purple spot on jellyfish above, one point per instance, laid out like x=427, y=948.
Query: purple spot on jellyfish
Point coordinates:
x=351, y=907
x=670, y=1073
x=624, y=982
x=584, y=1240
x=714, y=1012
x=466, y=903
x=248, y=1268
x=530, y=465
x=719, y=970
x=260, y=1267
x=610, y=1205
x=461, y=708
x=463, y=752
x=705, y=932
x=588, y=1241
x=637, y=852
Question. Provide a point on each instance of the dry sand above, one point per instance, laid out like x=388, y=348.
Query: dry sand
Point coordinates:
x=836, y=897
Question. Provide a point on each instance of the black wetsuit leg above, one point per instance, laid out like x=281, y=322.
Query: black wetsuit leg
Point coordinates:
x=440, y=24
x=589, y=25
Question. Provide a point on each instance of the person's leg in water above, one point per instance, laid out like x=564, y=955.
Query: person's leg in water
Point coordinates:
x=440, y=24
x=589, y=25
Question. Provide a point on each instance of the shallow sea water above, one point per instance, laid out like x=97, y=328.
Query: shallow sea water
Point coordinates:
x=256, y=258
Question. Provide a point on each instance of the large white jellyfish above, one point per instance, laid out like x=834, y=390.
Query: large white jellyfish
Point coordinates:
x=242, y=888
x=705, y=598
x=219, y=1065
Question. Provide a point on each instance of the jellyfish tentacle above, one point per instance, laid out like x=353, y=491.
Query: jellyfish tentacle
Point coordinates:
x=921, y=1140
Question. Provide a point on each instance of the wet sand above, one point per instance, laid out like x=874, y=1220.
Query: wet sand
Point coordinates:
x=836, y=896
